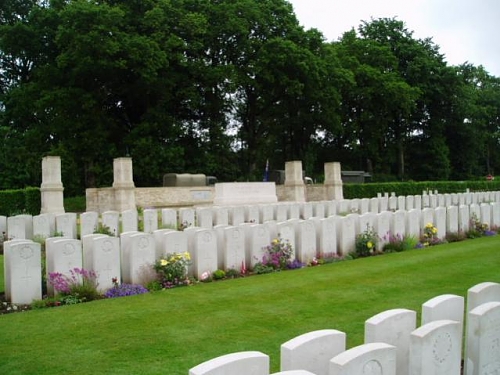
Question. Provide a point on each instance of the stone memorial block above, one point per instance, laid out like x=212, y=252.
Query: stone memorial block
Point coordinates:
x=305, y=241
x=365, y=222
x=22, y=271
x=150, y=219
x=485, y=209
x=252, y=214
x=266, y=213
x=66, y=225
x=482, y=293
x=233, y=248
x=346, y=234
x=402, y=203
x=175, y=242
x=281, y=212
x=241, y=363
x=306, y=210
x=293, y=372
x=444, y=307
x=463, y=218
x=452, y=219
x=169, y=218
x=436, y=348
x=440, y=222
x=106, y=261
x=374, y=205
x=286, y=231
x=382, y=227
x=137, y=256
x=204, y=217
x=333, y=181
x=241, y=193
x=326, y=236
x=89, y=222
x=236, y=215
x=51, y=189
x=186, y=217
x=312, y=351
x=375, y=358
x=495, y=214
x=130, y=221
x=20, y=227
x=319, y=210
x=343, y=207
x=44, y=225
x=483, y=340
x=204, y=252
x=62, y=255
x=331, y=208
x=123, y=185
x=398, y=227
x=412, y=223
x=111, y=220
x=221, y=215
x=393, y=327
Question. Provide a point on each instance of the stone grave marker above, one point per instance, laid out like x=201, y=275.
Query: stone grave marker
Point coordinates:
x=266, y=213
x=175, y=242
x=111, y=220
x=137, y=256
x=319, y=210
x=106, y=261
x=233, y=248
x=412, y=223
x=130, y=221
x=204, y=252
x=62, y=255
x=169, y=218
x=257, y=239
x=306, y=210
x=393, y=327
x=463, y=218
x=444, y=307
x=398, y=227
x=241, y=363
x=346, y=233
x=440, y=222
x=66, y=224
x=375, y=358
x=22, y=271
x=382, y=227
x=186, y=217
x=204, y=218
x=44, y=225
x=312, y=351
x=436, y=348
x=221, y=215
x=281, y=212
x=452, y=219
x=252, y=214
x=305, y=241
x=236, y=215
x=20, y=227
x=89, y=221
x=150, y=217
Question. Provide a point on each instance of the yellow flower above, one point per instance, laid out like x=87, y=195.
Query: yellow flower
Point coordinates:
x=187, y=256
x=369, y=244
x=434, y=230
x=163, y=262
x=429, y=225
x=275, y=241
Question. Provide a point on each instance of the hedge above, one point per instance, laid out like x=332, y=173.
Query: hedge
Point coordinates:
x=13, y=202
x=370, y=190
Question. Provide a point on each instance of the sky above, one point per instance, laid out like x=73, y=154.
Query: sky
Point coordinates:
x=464, y=30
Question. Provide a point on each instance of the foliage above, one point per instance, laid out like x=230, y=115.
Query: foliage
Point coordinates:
x=124, y=290
x=398, y=243
x=81, y=284
x=278, y=256
x=476, y=227
x=429, y=236
x=172, y=269
x=366, y=243
x=104, y=229
x=218, y=275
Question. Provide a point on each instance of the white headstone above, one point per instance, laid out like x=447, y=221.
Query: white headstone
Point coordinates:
x=130, y=221
x=482, y=293
x=66, y=224
x=186, y=217
x=440, y=222
x=62, y=255
x=150, y=217
x=89, y=221
x=305, y=241
x=256, y=241
x=383, y=227
x=281, y=212
x=306, y=210
x=175, y=242
x=326, y=239
x=444, y=307
x=398, y=227
x=204, y=252
x=312, y=351
x=137, y=254
x=20, y=227
x=221, y=216
x=266, y=213
x=319, y=210
x=412, y=223
x=236, y=215
x=367, y=359
x=169, y=218
x=346, y=233
x=393, y=327
x=241, y=363
x=106, y=261
x=22, y=271
x=252, y=214
x=234, y=248
x=111, y=221
x=436, y=348
x=44, y=225
x=463, y=218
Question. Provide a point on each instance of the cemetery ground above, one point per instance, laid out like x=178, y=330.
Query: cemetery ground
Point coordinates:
x=171, y=331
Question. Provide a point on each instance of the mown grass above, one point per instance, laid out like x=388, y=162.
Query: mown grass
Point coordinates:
x=170, y=331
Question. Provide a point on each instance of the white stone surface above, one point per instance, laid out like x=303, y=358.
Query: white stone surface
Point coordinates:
x=62, y=255
x=89, y=222
x=66, y=225
x=241, y=363
x=366, y=359
x=236, y=193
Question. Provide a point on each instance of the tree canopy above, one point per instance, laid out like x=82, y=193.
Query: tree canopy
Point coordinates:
x=222, y=86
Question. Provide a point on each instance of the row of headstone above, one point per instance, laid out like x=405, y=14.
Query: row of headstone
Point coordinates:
x=241, y=246
x=393, y=344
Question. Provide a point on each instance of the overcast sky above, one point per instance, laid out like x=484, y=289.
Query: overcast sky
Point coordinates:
x=464, y=30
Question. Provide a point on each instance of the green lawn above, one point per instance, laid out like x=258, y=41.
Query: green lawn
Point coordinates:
x=170, y=331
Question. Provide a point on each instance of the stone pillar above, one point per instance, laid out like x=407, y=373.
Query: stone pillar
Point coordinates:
x=123, y=184
x=51, y=188
x=333, y=182
x=295, y=189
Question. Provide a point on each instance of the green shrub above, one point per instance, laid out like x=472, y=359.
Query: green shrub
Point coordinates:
x=366, y=243
x=218, y=275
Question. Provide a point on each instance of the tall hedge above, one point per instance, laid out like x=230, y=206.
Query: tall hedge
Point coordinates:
x=370, y=190
x=19, y=201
